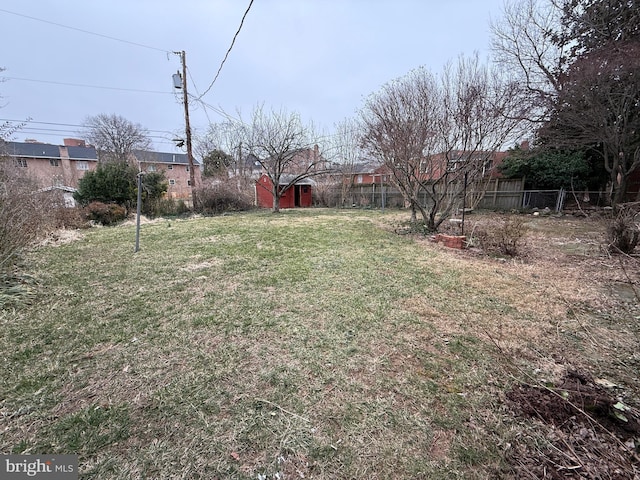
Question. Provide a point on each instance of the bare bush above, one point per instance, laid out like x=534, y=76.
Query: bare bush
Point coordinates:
x=505, y=236
x=69, y=218
x=25, y=216
x=623, y=233
x=223, y=197
x=105, y=213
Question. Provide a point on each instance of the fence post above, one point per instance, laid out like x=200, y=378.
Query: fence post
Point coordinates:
x=560, y=200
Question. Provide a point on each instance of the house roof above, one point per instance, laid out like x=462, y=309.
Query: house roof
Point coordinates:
x=32, y=150
x=82, y=153
x=163, y=157
x=46, y=150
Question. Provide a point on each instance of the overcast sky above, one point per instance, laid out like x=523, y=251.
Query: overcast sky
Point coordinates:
x=320, y=58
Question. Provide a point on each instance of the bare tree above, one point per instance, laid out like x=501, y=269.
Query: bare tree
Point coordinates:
x=527, y=44
x=286, y=149
x=228, y=137
x=115, y=137
x=346, y=153
x=435, y=135
x=399, y=128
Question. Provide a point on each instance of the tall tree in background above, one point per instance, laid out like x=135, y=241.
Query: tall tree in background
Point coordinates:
x=115, y=137
x=227, y=137
x=525, y=45
x=580, y=61
x=599, y=105
x=345, y=153
x=599, y=111
x=216, y=163
x=279, y=141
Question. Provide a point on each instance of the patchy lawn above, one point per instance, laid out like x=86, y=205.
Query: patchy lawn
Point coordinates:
x=321, y=344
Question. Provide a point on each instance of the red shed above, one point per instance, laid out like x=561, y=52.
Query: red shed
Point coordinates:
x=298, y=194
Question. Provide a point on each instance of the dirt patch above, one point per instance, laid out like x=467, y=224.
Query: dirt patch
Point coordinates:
x=590, y=433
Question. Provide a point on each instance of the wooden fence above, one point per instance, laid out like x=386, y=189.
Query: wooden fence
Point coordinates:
x=499, y=194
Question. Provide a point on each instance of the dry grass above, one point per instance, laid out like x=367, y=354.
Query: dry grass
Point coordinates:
x=310, y=344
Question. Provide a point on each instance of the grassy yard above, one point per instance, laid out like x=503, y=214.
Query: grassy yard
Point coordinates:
x=309, y=344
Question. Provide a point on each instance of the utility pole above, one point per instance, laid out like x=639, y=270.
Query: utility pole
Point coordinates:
x=192, y=174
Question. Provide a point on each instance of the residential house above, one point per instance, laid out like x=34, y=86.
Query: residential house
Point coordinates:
x=176, y=170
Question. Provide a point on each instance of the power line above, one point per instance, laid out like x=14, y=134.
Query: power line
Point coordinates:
x=228, y=51
x=219, y=111
x=58, y=124
x=196, y=89
x=86, y=86
x=84, y=31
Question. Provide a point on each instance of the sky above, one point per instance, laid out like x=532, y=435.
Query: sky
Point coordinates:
x=319, y=58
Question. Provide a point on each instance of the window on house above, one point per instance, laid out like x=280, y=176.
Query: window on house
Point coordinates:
x=187, y=168
x=189, y=182
x=172, y=181
x=82, y=165
x=21, y=162
x=169, y=167
x=151, y=168
x=54, y=162
x=359, y=180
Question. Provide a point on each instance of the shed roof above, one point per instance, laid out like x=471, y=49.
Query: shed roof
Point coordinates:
x=288, y=178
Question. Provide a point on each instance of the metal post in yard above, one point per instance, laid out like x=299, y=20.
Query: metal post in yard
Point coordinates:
x=464, y=202
x=138, y=211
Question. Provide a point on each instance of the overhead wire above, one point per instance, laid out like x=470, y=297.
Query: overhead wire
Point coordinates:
x=86, y=86
x=162, y=136
x=58, y=124
x=198, y=93
x=228, y=51
x=109, y=37
x=85, y=31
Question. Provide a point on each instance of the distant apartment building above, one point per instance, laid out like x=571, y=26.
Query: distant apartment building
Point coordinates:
x=62, y=166
x=176, y=170
x=53, y=167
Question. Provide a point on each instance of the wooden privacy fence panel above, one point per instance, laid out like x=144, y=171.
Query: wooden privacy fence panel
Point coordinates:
x=503, y=194
x=500, y=194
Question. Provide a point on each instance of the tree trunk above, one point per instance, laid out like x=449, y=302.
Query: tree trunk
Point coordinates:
x=276, y=203
x=619, y=189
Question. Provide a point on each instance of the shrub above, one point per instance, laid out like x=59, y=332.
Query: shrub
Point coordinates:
x=223, y=197
x=105, y=213
x=623, y=232
x=111, y=182
x=504, y=236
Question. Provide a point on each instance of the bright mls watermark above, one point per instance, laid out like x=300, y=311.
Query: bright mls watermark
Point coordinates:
x=49, y=467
